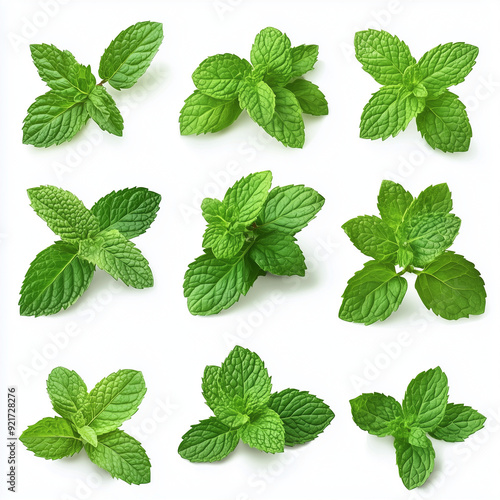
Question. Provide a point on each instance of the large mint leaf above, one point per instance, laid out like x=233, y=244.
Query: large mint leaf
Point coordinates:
x=311, y=100
x=415, y=463
x=304, y=58
x=458, y=423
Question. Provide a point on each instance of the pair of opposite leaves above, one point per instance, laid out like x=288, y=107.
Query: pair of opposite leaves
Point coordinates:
x=270, y=90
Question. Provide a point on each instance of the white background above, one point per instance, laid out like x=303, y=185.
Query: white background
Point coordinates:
x=291, y=323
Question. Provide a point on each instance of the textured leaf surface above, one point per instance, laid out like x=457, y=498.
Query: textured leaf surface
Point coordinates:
x=210, y=385
x=129, y=211
x=382, y=55
x=444, y=123
x=304, y=415
x=55, y=280
x=51, y=438
x=122, y=456
x=88, y=435
x=265, y=432
x=115, y=399
x=311, y=100
x=119, y=257
x=452, y=287
x=53, y=119
x=393, y=202
x=289, y=209
x=129, y=55
x=415, y=463
x=372, y=294
x=202, y=114
x=208, y=441
x=432, y=200
x=425, y=399
x=102, y=109
x=304, y=58
x=259, y=101
x=458, y=424
x=376, y=413
x=224, y=243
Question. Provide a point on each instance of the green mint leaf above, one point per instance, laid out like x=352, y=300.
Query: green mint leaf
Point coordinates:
x=63, y=212
x=428, y=236
x=432, y=200
x=311, y=100
x=130, y=211
x=446, y=65
x=244, y=376
x=376, y=413
x=372, y=294
x=122, y=456
x=248, y=196
x=53, y=119
x=415, y=463
x=382, y=55
x=393, y=202
x=425, y=400
x=55, y=280
x=60, y=71
x=272, y=50
x=102, y=109
x=264, y=432
x=210, y=386
x=231, y=417
x=202, y=114
x=286, y=125
x=221, y=76
x=389, y=112
x=51, y=438
x=452, y=287
x=444, y=123
x=119, y=257
x=289, y=209
x=115, y=399
x=69, y=396
x=212, y=285
x=259, y=101
x=304, y=58
x=88, y=435
x=373, y=237
x=417, y=437
x=224, y=243
x=304, y=416
x=458, y=423
x=278, y=254
x=208, y=441
x=129, y=55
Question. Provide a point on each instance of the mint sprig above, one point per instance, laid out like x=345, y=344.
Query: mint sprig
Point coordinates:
x=249, y=233
x=100, y=236
x=269, y=89
x=91, y=421
x=425, y=410
x=61, y=113
x=239, y=394
x=410, y=233
x=414, y=89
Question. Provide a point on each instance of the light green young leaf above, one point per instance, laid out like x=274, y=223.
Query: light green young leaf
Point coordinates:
x=444, y=123
x=224, y=243
x=304, y=58
x=452, y=287
x=129, y=55
x=119, y=257
x=130, y=211
x=459, y=422
x=373, y=237
x=304, y=416
x=415, y=463
x=202, y=114
x=432, y=200
x=288, y=209
x=372, y=294
x=286, y=125
x=376, y=413
x=102, y=109
x=53, y=119
x=51, y=438
x=88, y=435
x=425, y=400
x=393, y=202
x=311, y=100
x=259, y=101
x=115, y=399
x=208, y=441
x=221, y=76
x=382, y=55
x=265, y=432
x=278, y=254
x=210, y=385
x=122, y=456
x=55, y=280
